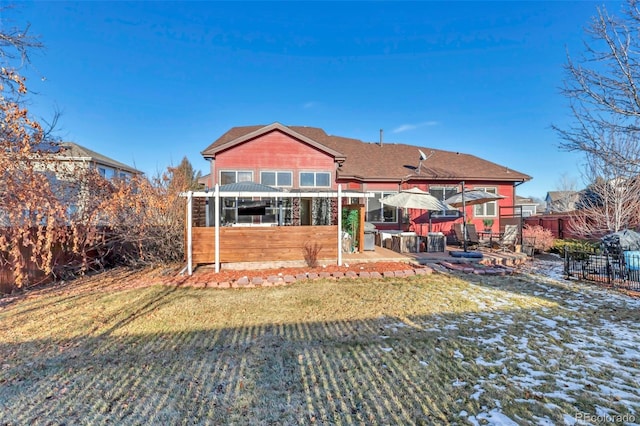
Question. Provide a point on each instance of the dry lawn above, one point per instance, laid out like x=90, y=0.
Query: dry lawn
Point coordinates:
x=419, y=350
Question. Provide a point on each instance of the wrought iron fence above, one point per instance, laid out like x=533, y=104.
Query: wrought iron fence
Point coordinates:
x=615, y=268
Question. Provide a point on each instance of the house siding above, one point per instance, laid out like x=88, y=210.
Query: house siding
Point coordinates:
x=274, y=151
x=365, y=169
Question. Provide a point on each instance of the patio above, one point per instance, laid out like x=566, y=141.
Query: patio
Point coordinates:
x=490, y=257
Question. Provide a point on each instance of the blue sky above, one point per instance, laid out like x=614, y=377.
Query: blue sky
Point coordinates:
x=150, y=82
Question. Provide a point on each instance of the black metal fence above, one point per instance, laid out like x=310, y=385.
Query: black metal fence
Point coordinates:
x=614, y=268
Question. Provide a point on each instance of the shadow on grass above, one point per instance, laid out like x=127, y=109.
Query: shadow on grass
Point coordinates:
x=422, y=369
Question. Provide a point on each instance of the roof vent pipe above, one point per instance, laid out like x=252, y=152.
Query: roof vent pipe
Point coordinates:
x=381, y=134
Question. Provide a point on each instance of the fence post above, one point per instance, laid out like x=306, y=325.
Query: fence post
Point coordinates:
x=566, y=261
x=609, y=269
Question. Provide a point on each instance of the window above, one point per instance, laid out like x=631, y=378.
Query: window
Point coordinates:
x=316, y=179
x=276, y=178
x=442, y=193
x=377, y=212
x=488, y=209
x=106, y=172
x=235, y=176
x=253, y=210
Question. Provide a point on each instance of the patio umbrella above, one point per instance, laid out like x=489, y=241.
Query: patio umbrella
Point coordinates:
x=471, y=198
x=415, y=198
x=465, y=198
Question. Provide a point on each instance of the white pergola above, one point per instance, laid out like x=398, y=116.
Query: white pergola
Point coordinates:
x=216, y=194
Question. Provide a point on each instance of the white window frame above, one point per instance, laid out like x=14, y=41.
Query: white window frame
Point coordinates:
x=315, y=179
x=376, y=197
x=480, y=210
x=277, y=172
x=236, y=175
x=106, y=171
x=445, y=213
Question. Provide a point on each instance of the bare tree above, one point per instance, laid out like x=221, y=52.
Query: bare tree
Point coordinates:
x=603, y=89
x=610, y=202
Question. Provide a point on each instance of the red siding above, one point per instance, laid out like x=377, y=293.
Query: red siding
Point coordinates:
x=271, y=152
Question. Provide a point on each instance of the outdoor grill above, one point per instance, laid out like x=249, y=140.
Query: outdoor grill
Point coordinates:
x=370, y=232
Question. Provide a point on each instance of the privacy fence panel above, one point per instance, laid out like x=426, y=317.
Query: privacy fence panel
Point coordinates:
x=264, y=244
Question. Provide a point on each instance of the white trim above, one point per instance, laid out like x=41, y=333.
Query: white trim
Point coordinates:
x=290, y=194
x=189, y=236
x=339, y=224
x=315, y=173
x=236, y=172
x=382, y=206
x=216, y=193
x=276, y=173
x=484, y=205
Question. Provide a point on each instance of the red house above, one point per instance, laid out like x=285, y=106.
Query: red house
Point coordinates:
x=307, y=158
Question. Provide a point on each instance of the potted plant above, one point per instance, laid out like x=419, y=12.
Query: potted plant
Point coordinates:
x=406, y=222
x=488, y=224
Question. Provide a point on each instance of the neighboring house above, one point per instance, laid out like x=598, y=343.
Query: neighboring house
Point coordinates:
x=205, y=181
x=527, y=206
x=307, y=158
x=78, y=156
x=70, y=160
x=561, y=201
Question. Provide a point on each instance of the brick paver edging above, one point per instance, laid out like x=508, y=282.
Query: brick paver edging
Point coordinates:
x=248, y=281
x=208, y=280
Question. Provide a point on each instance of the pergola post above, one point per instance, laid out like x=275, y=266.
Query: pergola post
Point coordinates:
x=216, y=205
x=189, y=233
x=340, y=225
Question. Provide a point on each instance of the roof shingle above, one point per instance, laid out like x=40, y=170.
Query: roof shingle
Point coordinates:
x=389, y=161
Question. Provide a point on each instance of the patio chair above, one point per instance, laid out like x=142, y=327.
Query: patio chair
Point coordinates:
x=472, y=234
x=509, y=238
x=473, y=238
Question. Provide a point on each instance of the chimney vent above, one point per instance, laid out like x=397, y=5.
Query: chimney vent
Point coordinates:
x=381, y=135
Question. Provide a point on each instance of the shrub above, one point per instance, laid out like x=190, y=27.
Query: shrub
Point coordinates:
x=311, y=254
x=542, y=238
x=573, y=245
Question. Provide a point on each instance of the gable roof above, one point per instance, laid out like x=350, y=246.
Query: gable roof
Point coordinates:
x=553, y=196
x=72, y=150
x=381, y=162
x=238, y=135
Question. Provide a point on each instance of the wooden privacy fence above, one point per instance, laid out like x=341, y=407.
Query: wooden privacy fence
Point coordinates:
x=255, y=244
x=558, y=223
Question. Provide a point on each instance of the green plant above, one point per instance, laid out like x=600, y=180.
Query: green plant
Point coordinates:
x=350, y=222
x=488, y=223
x=574, y=245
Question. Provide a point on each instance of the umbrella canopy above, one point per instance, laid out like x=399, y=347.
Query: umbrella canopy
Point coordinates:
x=471, y=198
x=414, y=198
